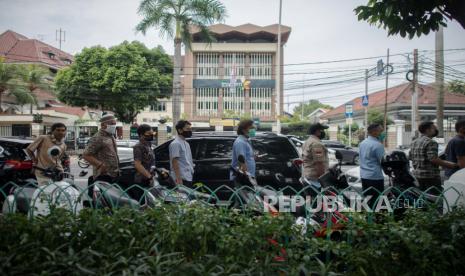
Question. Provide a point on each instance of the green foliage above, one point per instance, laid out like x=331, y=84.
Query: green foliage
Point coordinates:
x=175, y=18
x=198, y=240
x=377, y=117
x=123, y=79
x=456, y=86
x=411, y=17
x=309, y=107
x=354, y=127
x=299, y=128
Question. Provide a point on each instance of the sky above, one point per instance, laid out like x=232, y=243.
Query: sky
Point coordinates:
x=321, y=31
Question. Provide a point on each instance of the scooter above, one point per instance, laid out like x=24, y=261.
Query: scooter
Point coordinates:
x=327, y=219
x=38, y=200
x=108, y=195
x=404, y=189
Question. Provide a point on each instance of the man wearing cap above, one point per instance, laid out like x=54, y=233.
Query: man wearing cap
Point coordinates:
x=101, y=152
x=315, y=154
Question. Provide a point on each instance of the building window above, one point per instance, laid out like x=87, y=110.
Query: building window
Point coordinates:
x=145, y=120
x=234, y=65
x=206, y=101
x=260, y=101
x=261, y=65
x=233, y=100
x=158, y=107
x=207, y=65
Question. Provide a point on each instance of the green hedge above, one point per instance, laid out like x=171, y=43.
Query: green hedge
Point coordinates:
x=196, y=240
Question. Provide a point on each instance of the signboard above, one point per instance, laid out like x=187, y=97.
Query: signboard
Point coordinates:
x=379, y=67
x=349, y=121
x=349, y=110
x=365, y=100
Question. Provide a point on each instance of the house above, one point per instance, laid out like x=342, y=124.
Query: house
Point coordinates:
x=399, y=102
x=314, y=117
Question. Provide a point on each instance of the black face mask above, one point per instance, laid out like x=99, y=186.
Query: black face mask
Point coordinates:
x=436, y=133
x=322, y=134
x=187, y=134
x=148, y=138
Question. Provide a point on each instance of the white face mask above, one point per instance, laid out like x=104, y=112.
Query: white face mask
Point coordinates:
x=111, y=129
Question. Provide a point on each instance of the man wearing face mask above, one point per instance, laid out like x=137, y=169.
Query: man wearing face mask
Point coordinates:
x=181, y=164
x=315, y=154
x=425, y=159
x=101, y=151
x=38, y=151
x=242, y=146
x=144, y=159
x=371, y=152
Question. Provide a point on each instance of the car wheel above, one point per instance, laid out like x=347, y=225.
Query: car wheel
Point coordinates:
x=356, y=160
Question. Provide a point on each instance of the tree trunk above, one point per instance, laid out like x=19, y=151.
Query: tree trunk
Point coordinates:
x=1, y=93
x=177, y=82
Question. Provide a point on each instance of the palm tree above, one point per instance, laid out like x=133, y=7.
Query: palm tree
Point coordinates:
x=7, y=75
x=34, y=78
x=173, y=18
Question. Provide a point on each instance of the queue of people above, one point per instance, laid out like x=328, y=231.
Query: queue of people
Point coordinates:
x=101, y=153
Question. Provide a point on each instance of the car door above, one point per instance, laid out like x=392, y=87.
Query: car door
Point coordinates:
x=213, y=162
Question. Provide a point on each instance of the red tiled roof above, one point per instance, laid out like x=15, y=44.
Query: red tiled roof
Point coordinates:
x=77, y=111
x=400, y=94
x=15, y=47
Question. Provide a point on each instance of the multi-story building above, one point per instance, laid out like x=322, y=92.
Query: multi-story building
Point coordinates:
x=233, y=76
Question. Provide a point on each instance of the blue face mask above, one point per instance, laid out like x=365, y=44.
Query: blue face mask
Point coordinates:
x=382, y=136
x=252, y=132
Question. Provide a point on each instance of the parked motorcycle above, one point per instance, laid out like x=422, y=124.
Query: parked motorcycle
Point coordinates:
x=106, y=194
x=36, y=200
x=404, y=190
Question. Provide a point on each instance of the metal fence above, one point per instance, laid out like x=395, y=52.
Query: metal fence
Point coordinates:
x=40, y=200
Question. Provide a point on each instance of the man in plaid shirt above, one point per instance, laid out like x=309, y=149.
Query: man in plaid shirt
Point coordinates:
x=425, y=159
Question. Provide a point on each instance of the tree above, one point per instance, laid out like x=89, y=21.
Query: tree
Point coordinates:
x=123, y=79
x=456, y=86
x=173, y=18
x=7, y=75
x=377, y=117
x=354, y=127
x=411, y=17
x=33, y=78
x=309, y=107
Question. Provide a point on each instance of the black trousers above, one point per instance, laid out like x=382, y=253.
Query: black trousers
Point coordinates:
x=373, y=188
x=433, y=184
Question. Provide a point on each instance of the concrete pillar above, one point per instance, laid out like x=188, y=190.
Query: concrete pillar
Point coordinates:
x=36, y=130
x=391, y=137
x=332, y=132
x=126, y=132
x=162, y=134
x=400, y=130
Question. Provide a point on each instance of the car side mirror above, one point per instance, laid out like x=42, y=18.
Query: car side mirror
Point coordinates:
x=338, y=155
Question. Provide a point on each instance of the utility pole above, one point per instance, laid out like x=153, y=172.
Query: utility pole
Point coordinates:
x=439, y=76
x=386, y=95
x=415, y=115
x=366, y=107
x=60, y=36
x=303, y=99
x=278, y=72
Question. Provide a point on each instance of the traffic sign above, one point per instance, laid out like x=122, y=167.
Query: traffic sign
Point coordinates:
x=365, y=100
x=349, y=121
x=349, y=110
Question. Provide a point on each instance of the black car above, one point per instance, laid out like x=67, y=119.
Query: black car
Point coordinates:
x=278, y=163
x=349, y=155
